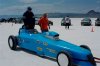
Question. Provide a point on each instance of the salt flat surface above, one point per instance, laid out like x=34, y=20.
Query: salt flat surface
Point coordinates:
x=77, y=34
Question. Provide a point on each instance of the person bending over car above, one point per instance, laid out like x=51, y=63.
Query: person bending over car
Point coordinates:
x=29, y=19
x=44, y=23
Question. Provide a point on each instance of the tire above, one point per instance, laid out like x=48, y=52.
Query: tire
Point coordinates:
x=23, y=26
x=64, y=59
x=12, y=42
x=85, y=47
x=19, y=31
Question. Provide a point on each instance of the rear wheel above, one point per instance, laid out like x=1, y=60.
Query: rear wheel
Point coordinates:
x=12, y=42
x=90, y=57
x=64, y=59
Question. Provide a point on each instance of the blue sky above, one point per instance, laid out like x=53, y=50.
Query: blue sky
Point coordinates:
x=17, y=7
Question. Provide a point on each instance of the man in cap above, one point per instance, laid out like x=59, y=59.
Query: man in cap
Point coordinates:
x=29, y=19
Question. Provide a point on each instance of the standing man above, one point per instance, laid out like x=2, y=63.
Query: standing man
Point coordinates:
x=67, y=21
x=29, y=19
x=44, y=23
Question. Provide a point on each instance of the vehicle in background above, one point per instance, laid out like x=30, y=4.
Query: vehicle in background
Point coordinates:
x=86, y=22
x=97, y=22
x=63, y=22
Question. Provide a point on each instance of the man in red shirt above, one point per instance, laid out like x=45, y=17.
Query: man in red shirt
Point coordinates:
x=44, y=23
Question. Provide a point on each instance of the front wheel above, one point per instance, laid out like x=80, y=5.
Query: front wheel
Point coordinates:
x=64, y=59
x=12, y=42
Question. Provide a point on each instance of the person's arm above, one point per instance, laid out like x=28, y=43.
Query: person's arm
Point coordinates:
x=24, y=16
x=48, y=23
x=33, y=15
x=49, y=26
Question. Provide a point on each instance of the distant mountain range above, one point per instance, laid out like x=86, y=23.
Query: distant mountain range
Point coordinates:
x=91, y=13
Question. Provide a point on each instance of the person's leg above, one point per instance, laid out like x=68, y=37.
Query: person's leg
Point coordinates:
x=65, y=25
x=68, y=25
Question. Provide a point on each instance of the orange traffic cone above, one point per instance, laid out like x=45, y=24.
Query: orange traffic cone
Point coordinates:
x=92, y=30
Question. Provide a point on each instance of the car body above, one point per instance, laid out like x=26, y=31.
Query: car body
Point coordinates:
x=48, y=44
x=63, y=22
x=97, y=22
x=86, y=22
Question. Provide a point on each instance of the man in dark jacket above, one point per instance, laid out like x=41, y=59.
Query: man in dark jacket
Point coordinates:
x=29, y=19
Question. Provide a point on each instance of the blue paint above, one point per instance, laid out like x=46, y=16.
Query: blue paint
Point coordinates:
x=43, y=45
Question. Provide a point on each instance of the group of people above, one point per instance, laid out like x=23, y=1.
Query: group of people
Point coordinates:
x=29, y=20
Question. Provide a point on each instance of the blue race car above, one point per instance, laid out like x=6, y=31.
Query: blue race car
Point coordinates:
x=48, y=44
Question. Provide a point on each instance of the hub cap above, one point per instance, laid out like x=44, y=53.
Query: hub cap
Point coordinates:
x=63, y=60
x=11, y=42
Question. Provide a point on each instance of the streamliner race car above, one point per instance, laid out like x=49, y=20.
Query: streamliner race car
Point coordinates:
x=48, y=44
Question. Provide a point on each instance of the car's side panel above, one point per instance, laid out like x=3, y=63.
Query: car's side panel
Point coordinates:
x=51, y=51
x=46, y=46
x=26, y=41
